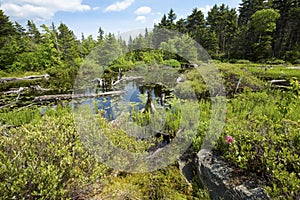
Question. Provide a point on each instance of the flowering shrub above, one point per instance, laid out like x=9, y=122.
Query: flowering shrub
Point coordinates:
x=228, y=139
x=266, y=140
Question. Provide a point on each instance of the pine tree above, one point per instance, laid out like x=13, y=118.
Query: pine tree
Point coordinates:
x=68, y=44
x=195, y=25
x=100, y=36
x=7, y=28
x=248, y=8
x=287, y=33
x=171, y=19
x=223, y=22
x=87, y=45
x=33, y=32
x=181, y=25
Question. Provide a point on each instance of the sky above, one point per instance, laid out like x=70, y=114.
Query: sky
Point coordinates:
x=116, y=16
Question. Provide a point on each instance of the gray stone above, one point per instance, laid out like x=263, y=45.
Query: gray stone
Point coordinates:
x=217, y=175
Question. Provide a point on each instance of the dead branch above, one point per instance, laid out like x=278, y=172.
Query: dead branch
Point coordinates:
x=129, y=78
x=33, y=77
x=22, y=89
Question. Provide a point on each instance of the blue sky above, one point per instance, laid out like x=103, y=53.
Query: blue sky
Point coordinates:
x=117, y=16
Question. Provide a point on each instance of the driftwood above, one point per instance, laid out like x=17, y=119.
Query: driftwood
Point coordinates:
x=237, y=87
x=19, y=91
x=278, y=81
x=33, y=77
x=5, y=106
x=281, y=83
x=127, y=79
x=75, y=96
x=15, y=91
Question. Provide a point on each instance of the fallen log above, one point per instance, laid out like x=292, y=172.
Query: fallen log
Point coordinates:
x=21, y=89
x=75, y=96
x=15, y=91
x=277, y=81
x=33, y=77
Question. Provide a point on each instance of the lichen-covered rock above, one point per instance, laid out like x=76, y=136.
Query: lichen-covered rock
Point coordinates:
x=218, y=177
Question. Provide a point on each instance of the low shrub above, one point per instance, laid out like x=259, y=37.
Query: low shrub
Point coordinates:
x=243, y=62
x=275, y=62
x=265, y=140
x=296, y=62
x=46, y=160
x=161, y=184
x=172, y=63
x=19, y=117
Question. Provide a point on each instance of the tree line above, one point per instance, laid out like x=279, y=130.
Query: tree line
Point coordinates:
x=258, y=31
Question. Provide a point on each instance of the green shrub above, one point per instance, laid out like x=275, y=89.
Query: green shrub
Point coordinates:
x=275, y=62
x=46, y=160
x=62, y=79
x=19, y=117
x=265, y=131
x=172, y=63
x=295, y=62
x=3, y=74
x=161, y=184
x=243, y=62
x=216, y=61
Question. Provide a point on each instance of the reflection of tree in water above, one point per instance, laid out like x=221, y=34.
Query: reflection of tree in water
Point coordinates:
x=160, y=92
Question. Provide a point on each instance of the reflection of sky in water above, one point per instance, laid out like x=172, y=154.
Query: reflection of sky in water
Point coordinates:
x=114, y=106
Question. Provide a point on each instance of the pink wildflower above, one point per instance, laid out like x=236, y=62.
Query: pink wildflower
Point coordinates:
x=228, y=139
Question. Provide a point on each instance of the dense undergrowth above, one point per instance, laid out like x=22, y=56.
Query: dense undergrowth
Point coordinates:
x=42, y=155
x=44, y=158
x=265, y=128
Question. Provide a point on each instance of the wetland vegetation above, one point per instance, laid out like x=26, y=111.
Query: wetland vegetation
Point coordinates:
x=41, y=152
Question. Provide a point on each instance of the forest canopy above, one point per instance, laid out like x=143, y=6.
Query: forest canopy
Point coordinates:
x=257, y=30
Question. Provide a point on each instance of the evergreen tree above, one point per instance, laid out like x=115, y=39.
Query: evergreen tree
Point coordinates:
x=287, y=32
x=195, y=26
x=87, y=45
x=108, y=50
x=223, y=22
x=181, y=25
x=8, y=48
x=100, y=36
x=20, y=30
x=68, y=45
x=33, y=32
x=163, y=22
x=248, y=8
x=171, y=19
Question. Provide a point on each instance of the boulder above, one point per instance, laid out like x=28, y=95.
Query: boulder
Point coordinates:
x=221, y=179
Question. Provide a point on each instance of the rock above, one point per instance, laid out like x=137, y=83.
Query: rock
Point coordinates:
x=180, y=79
x=218, y=177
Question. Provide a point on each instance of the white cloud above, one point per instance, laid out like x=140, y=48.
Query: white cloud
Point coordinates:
x=96, y=8
x=206, y=9
x=141, y=19
x=41, y=9
x=143, y=10
x=119, y=6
